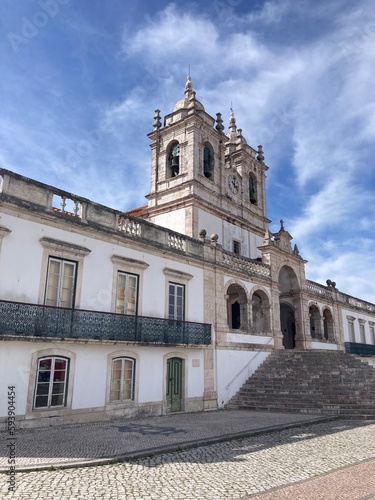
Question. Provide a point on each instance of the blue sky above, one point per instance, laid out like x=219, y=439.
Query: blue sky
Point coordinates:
x=81, y=79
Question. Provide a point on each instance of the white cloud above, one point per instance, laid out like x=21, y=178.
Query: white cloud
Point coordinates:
x=299, y=75
x=172, y=32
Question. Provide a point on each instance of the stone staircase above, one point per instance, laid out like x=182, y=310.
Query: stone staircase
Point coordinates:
x=327, y=382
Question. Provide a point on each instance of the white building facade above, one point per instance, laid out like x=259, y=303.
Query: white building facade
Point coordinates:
x=106, y=314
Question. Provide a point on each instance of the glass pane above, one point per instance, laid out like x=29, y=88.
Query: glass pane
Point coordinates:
x=67, y=286
x=44, y=370
x=60, y=364
x=41, y=401
x=126, y=393
x=42, y=389
x=57, y=400
x=53, y=283
x=58, y=388
x=117, y=364
x=115, y=390
x=120, y=296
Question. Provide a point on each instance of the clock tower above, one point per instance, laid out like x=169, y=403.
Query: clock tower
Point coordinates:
x=203, y=178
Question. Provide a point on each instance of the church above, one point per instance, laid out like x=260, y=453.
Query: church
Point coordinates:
x=169, y=307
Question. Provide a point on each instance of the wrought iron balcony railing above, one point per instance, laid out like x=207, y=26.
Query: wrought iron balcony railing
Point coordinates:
x=360, y=349
x=34, y=320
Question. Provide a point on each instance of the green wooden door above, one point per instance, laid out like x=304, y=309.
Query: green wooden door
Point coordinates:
x=174, y=384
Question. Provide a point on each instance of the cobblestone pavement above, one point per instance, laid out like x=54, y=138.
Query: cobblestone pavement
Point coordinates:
x=90, y=443
x=236, y=469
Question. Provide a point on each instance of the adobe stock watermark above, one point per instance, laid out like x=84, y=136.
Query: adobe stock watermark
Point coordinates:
x=11, y=440
x=224, y=9
x=279, y=120
x=358, y=40
x=91, y=139
x=30, y=27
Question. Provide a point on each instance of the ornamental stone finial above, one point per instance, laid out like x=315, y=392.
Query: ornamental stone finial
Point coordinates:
x=157, y=123
x=260, y=155
x=188, y=85
x=219, y=123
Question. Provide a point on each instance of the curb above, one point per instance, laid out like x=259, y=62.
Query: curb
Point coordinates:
x=172, y=448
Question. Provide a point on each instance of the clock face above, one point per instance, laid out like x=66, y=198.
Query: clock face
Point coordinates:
x=233, y=184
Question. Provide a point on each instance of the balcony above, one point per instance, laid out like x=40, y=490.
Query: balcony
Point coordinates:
x=360, y=349
x=32, y=320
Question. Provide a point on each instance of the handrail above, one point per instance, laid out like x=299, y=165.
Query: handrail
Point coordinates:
x=248, y=364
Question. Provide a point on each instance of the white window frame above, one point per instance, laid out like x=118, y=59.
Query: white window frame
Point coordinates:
x=51, y=382
x=362, y=332
x=180, y=278
x=372, y=332
x=177, y=315
x=31, y=411
x=125, y=309
x=127, y=265
x=63, y=263
x=351, y=328
x=66, y=251
x=124, y=360
x=125, y=403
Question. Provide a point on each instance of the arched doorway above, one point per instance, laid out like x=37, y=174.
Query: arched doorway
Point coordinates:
x=260, y=312
x=328, y=325
x=290, y=308
x=288, y=325
x=237, y=308
x=314, y=316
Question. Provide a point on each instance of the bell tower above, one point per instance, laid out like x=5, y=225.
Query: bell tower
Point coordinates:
x=202, y=178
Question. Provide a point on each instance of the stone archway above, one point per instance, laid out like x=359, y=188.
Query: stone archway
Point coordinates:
x=288, y=325
x=237, y=312
x=260, y=312
x=328, y=325
x=290, y=308
x=315, y=323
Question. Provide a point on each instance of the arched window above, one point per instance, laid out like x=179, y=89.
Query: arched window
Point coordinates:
x=208, y=161
x=173, y=160
x=237, y=308
x=315, y=329
x=260, y=312
x=122, y=379
x=51, y=382
x=253, y=189
x=328, y=325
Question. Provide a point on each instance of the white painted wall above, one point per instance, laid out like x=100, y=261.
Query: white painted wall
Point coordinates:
x=21, y=267
x=92, y=371
x=14, y=370
x=234, y=368
x=211, y=223
x=366, y=317
x=172, y=220
x=324, y=345
x=227, y=232
x=249, y=339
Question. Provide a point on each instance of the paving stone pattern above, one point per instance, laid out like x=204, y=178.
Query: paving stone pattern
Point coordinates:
x=229, y=470
x=74, y=444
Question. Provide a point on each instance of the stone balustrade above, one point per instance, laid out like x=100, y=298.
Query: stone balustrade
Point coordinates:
x=318, y=289
x=244, y=265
